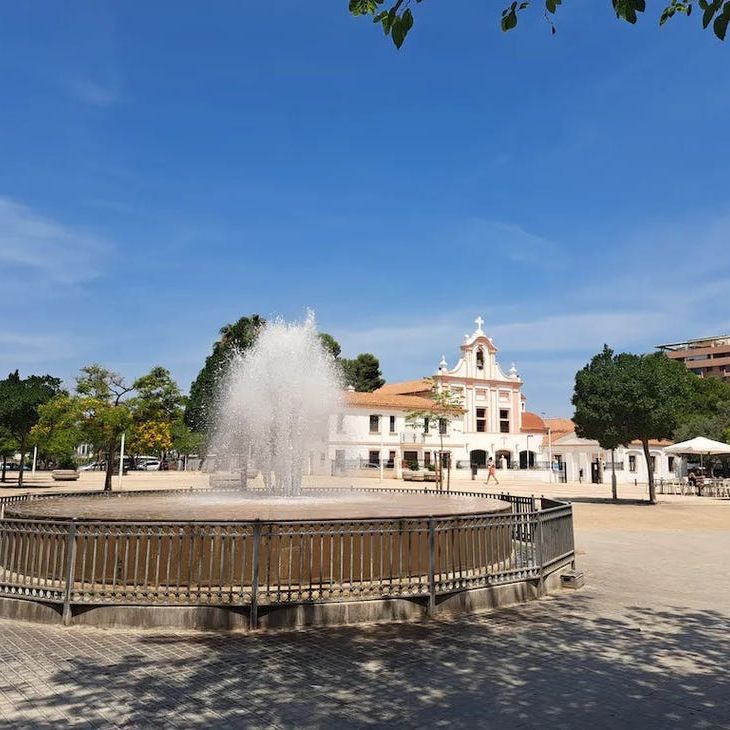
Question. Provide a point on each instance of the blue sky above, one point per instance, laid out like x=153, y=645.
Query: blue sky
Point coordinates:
x=168, y=167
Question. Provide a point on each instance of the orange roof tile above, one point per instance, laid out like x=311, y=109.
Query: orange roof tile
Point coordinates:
x=387, y=400
x=562, y=426
x=532, y=422
x=408, y=387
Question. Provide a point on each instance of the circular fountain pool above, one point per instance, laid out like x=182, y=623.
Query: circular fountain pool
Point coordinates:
x=246, y=507
x=220, y=559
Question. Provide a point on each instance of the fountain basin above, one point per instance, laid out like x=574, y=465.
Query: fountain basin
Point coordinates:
x=262, y=556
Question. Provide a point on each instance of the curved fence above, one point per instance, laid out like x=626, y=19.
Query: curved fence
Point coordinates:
x=71, y=563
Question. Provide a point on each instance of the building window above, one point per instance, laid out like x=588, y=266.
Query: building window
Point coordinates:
x=374, y=458
x=671, y=463
x=480, y=360
x=481, y=420
x=340, y=423
x=391, y=459
x=632, y=463
x=504, y=420
x=374, y=424
x=392, y=424
x=427, y=458
x=442, y=426
x=426, y=424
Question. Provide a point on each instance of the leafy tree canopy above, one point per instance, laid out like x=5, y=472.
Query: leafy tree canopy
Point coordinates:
x=396, y=17
x=158, y=397
x=623, y=398
x=200, y=411
x=330, y=344
x=362, y=372
x=20, y=400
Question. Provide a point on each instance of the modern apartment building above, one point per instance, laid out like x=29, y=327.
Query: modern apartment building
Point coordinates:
x=708, y=357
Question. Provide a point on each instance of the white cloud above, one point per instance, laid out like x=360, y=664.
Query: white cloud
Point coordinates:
x=92, y=93
x=22, y=348
x=510, y=240
x=51, y=251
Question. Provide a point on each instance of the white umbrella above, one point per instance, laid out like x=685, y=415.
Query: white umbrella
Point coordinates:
x=700, y=445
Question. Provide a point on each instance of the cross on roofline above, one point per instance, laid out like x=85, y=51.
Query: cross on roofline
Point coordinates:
x=479, y=322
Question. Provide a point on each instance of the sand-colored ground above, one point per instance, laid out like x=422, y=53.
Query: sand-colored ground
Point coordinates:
x=592, y=506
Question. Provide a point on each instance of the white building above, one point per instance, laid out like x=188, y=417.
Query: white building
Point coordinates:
x=581, y=459
x=494, y=422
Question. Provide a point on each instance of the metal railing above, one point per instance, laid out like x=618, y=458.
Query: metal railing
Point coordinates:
x=254, y=564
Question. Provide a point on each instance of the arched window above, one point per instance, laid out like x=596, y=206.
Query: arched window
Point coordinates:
x=480, y=359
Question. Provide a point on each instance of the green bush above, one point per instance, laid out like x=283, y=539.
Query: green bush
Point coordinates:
x=67, y=462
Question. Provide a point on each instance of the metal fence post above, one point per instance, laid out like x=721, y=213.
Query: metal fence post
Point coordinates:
x=70, y=562
x=540, y=555
x=254, y=615
x=431, y=566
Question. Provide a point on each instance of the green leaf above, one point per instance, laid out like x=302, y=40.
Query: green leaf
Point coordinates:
x=397, y=32
x=721, y=22
x=509, y=20
x=407, y=20
x=710, y=12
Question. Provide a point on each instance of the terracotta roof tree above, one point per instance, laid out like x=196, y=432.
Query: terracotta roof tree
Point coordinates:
x=445, y=407
x=622, y=398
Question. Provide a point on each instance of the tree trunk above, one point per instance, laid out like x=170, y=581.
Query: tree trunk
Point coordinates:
x=5, y=463
x=614, y=490
x=22, y=461
x=110, y=467
x=649, y=470
x=441, y=460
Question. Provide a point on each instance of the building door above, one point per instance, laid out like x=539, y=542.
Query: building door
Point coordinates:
x=527, y=459
x=340, y=461
x=411, y=459
x=596, y=472
x=478, y=458
x=504, y=459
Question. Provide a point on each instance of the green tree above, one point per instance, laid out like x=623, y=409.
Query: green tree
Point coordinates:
x=104, y=414
x=158, y=397
x=623, y=398
x=8, y=447
x=396, y=16
x=200, y=412
x=362, y=372
x=446, y=407
x=158, y=403
x=598, y=399
x=330, y=344
x=59, y=429
x=20, y=399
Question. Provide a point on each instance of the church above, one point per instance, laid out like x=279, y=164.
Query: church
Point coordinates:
x=373, y=430
x=493, y=421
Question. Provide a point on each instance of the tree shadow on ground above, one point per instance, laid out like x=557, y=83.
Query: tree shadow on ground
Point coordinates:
x=555, y=663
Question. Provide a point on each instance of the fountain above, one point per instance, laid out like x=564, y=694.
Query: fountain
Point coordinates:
x=276, y=402
x=275, y=553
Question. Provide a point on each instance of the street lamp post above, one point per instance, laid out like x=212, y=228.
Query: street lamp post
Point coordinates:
x=121, y=462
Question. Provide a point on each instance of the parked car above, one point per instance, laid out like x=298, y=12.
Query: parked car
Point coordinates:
x=149, y=465
x=93, y=466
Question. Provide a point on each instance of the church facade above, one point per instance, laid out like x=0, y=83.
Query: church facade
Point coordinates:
x=491, y=422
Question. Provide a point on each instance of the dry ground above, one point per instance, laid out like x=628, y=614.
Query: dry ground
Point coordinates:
x=646, y=644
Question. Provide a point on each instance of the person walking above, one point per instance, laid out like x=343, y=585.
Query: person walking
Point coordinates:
x=491, y=471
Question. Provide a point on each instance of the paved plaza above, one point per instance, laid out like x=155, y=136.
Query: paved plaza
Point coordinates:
x=644, y=644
